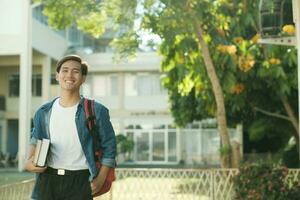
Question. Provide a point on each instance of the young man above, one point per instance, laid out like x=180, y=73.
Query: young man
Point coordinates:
x=71, y=172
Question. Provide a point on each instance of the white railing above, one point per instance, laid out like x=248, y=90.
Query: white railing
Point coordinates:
x=157, y=184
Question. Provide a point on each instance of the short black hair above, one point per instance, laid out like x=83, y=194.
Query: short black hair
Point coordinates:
x=83, y=64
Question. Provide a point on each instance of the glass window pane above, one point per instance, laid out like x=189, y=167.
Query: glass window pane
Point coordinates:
x=129, y=136
x=172, y=146
x=14, y=82
x=142, y=144
x=114, y=89
x=143, y=85
x=130, y=87
x=158, y=146
x=53, y=79
x=99, y=86
x=37, y=85
x=149, y=84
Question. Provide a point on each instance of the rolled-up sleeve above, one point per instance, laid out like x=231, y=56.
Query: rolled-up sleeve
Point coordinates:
x=107, y=139
x=34, y=131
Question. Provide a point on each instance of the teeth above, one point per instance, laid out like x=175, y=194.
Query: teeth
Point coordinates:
x=69, y=81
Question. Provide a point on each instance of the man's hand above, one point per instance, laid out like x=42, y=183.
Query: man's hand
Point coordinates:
x=97, y=183
x=29, y=166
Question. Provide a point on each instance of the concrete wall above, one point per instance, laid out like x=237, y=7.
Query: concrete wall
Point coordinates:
x=11, y=38
x=47, y=41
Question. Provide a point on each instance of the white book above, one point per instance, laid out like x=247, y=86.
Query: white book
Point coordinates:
x=41, y=151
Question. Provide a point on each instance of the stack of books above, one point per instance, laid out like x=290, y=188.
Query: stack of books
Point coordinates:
x=41, y=151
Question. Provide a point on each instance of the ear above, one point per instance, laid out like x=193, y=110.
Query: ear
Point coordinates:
x=83, y=79
x=56, y=77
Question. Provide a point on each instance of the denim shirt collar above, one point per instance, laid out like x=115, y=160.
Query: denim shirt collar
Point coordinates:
x=48, y=106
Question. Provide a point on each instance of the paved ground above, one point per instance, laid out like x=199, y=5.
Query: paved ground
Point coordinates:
x=11, y=175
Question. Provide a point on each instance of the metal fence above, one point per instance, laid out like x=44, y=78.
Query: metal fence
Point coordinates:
x=157, y=184
x=17, y=191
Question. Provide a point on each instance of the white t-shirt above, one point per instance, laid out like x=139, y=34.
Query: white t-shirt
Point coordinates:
x=66, y=151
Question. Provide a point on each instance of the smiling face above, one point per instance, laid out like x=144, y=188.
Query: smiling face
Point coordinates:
x=70, y=76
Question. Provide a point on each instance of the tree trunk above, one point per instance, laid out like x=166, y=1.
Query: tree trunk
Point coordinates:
x=292, y=117
x=219, y=97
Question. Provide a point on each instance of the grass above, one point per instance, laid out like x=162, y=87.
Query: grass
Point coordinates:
x=9, y=177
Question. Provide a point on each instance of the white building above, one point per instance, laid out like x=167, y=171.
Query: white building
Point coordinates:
x=131, y=90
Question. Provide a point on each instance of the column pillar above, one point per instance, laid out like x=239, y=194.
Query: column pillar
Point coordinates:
x=4, y=136
x=296, y=15
x=25, y=86
x=121, y=97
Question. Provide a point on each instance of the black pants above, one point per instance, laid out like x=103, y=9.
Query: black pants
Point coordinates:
x=64, y=187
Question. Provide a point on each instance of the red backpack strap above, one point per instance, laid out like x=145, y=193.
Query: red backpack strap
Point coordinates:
x=91, y=124
x=90, y=114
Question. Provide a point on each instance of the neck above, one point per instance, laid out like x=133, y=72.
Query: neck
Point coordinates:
x=69, y=99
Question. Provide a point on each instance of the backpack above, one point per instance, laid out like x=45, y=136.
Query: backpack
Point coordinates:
x=91, y=124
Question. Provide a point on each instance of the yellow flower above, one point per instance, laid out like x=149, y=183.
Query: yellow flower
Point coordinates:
x=221, y=48
x=289, y=29
x=238, y=88
x=274, y=61
x=246, y=62
x=255, y=38
x=238, y=40
x=231, y=49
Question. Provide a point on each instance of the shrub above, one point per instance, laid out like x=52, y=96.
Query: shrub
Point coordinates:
x=264, y=182
x=124, y=145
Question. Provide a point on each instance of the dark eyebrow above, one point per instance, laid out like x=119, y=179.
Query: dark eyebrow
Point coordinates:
x=75, y=68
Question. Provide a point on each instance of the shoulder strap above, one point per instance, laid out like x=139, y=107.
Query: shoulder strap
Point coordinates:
x=91, y=124
x=90, y=114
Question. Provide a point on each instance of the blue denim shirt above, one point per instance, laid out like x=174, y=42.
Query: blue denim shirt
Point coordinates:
x=105, y=133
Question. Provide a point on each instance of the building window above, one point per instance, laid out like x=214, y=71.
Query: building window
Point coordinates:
x=75, y=36
x=107, y=85
x=153, y=142
x=37, y=13
x=36, y=85
x=143, y=85
x=130, y=89
x=172, y=155
x=158, y=146
x=14, y=84
x=53, y=79
x=114, y=83
x=99, y=86
x=142, y=146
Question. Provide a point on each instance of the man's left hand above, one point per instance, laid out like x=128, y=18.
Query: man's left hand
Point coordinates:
x=98, y=182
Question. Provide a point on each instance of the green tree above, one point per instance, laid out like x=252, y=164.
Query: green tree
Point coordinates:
x=211, y=62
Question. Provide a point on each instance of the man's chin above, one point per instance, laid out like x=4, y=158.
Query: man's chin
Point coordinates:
x=71, y=88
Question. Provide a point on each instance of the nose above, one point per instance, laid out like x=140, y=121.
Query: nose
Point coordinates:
x=69, y=74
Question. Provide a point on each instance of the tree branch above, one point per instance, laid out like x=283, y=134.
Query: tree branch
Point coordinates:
x=271, y=114
x=292, y=116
